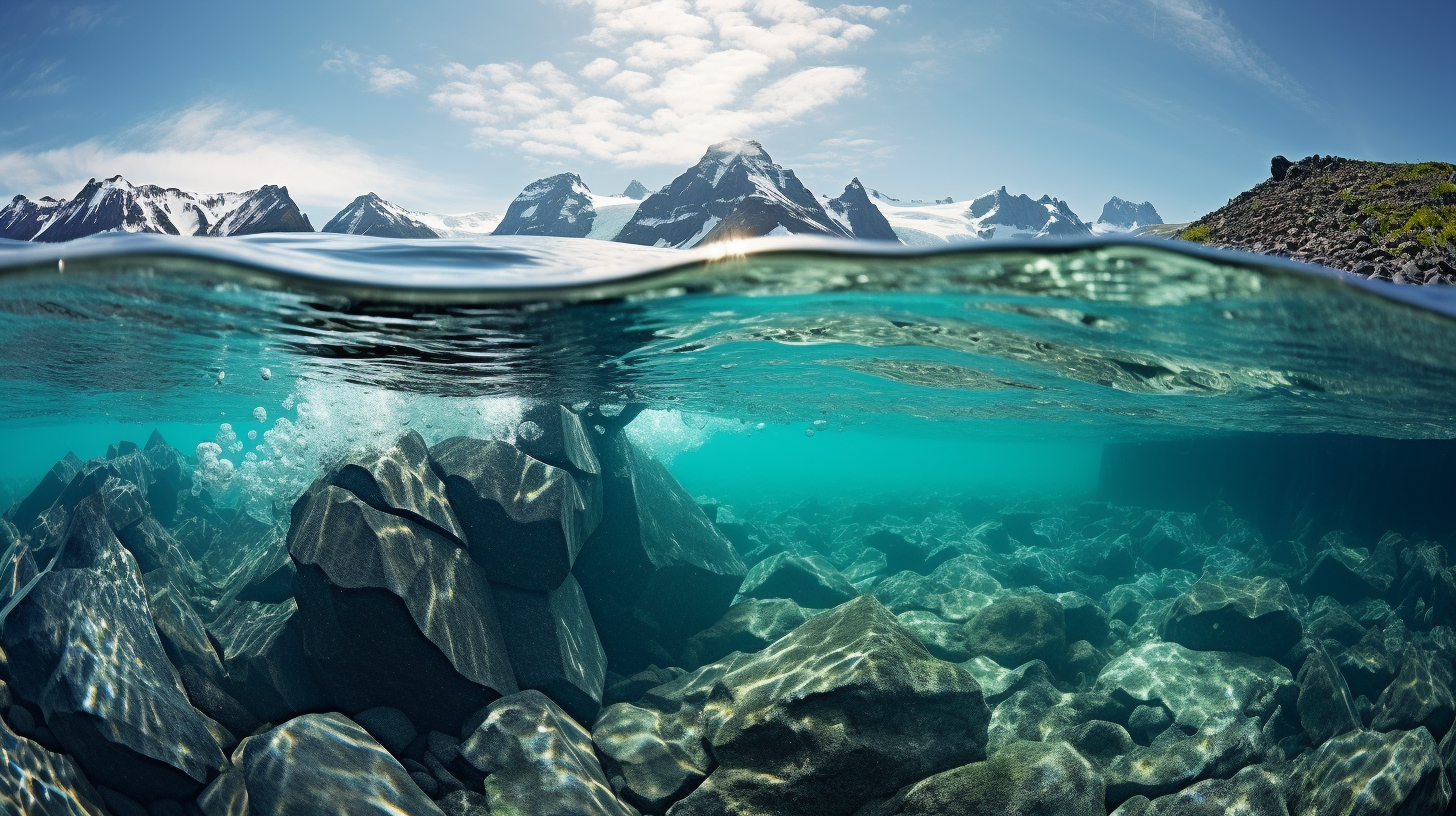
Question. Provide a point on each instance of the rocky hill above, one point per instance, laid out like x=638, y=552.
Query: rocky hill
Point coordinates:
x=1390, y=221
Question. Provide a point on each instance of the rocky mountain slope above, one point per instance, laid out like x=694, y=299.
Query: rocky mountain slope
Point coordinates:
x=734, y=191
x=854, y=210
x=371, y=215
x=1389, y=221
x=116, y=205
x=564, y=207
x=1125, y=215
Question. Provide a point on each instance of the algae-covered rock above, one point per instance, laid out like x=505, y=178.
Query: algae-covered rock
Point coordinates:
x=944, y=639
x=539, y=762
x=847, y=708
x=1197, y=686
x=1022, y=779
x=652, y=759
x=1397, y=773
x=1225, y=613
x=1253, y=791
x=1014, y=630
x=1174, y=760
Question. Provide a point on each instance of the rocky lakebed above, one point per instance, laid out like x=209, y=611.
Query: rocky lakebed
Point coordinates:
x=552, y=625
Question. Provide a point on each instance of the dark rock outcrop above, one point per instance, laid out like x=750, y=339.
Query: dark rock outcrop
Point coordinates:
x=22, y=218
x=1367, y=772
x=859, y=215
x=1016, y=630
x=376, y=591
x=809, y=581
x=267, y=668
x=553, y=645
x=747, y=626
x=1226, y=613
x=560, y=206
x=37, y=782
x=371, y=215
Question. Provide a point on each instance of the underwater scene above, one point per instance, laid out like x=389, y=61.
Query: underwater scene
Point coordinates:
x=316, y=524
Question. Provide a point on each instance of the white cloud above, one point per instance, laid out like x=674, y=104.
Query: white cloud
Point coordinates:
x=211, y=148
x=376, y=70
x=1202, y=28
x=669, y=77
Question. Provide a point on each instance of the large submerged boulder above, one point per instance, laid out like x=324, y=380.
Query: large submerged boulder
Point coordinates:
x=553, y=645
x=656, y=571
x=36, y=782
x=267, y=669
x=1225, y=613
x=314, y=764
x=747, y=626
x=399, y=481
x=806, y=580
x=539, y=761
x=1365, y=772
x=377, y=592
x=1198, y=686
x=847, y=708
x=525, y=521
x=1016, y=630
x=85, y=627
x=1021, y=779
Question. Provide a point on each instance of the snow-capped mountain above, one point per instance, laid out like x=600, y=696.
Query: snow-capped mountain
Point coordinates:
x=856, y=213
x=116, y=205
x=462, y=225
x=1125, y=216
x=997, y=214
x=734, y=191
x=563, y=206
x=23, y=218
x=371, y=215
x=636, y=191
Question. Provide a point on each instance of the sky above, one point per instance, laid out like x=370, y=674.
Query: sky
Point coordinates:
x=450, y=106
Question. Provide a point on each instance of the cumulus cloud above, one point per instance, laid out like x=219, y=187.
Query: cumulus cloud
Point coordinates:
x=375, y=70
x=668, y=77
x=210, y=148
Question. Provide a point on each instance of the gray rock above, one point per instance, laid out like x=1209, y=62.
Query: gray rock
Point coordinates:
x=1367, y=666
x=399, y=481
x=1326, y=707
x=376, y=592
x=1255, y=791
x=1398, y=772
x=1198, y=686
x=388, y=726
x=86, y=625
x=267, y=669
x=1014, y=630
x=525, y=521
x=1022, y=779
x=1085, y=619
x=652, y=759
x=314, y=763
x=1225, y=613
x=537, y=760
x=809, y=581
x=943, y=639
x=1082, y=663
x=553, y=645
x=746, y=627
x=1419, y=696
x=184, y=637
x=1146, y=722
x=1174, y=760
x=464, y=803
x=1332, y=622
x=801, y=727
x=656, y=571
x=907, y=591
x=559, y=439
x=36, y=782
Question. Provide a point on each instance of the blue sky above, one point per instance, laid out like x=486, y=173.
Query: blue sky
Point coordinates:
x=455, y=106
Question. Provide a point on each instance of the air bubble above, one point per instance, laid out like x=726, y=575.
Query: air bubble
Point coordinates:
x=529, y=431
x=252, y=434
x=260, y=413
x=265, y=373
x=808, y=432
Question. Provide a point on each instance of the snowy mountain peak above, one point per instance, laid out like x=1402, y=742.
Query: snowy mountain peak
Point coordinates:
x=636, y=191
x=371, y=215
x=560, y=205
x=116, y=205
x=1120, y=214
x=857, y=214
x=734, y=191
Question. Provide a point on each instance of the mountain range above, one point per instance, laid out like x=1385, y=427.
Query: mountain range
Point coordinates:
x=734, y=191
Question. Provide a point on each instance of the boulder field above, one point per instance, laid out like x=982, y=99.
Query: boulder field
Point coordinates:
x=553, y=626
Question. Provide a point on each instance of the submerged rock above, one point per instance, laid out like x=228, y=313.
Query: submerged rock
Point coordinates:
x=525, y=521
x=1225, y=613
x=86, y=626
x=1175, y=760
x=1326, y=708
x=1013, y=631
x=377, y=592
x=1198, y=686
x=311, y=764
x=1418, y=697
x=806, y=580
x=1022, y=779
x=1254, y=791
x=656, y=571
x=1398, y=772
x=539, y=761
x=267, y=669
x=747, y=626
x=553, y=645
x=652, y=759
x=399, y=481
x=846, y=708
x=36, y=782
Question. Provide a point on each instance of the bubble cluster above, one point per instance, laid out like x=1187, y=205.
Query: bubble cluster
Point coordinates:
x=529, y=431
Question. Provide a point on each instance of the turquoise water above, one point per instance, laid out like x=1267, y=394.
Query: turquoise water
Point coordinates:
x=979, y=452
